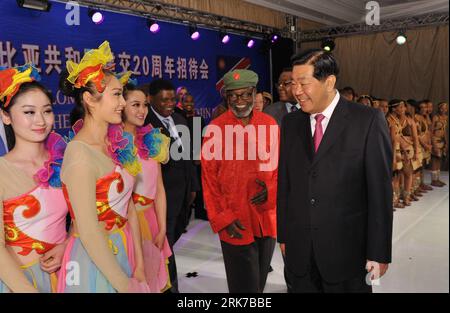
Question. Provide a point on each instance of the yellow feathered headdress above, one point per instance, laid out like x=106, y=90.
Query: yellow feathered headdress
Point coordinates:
x=11, y=79
x=91, y=67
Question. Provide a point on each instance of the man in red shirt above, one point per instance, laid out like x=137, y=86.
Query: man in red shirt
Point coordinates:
x=239, y=176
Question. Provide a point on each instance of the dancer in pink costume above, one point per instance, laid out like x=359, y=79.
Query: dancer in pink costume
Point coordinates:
x=148, y=195
x=104, y=252
x=32, y=204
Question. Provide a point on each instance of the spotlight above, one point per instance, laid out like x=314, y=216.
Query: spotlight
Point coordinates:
x=328, y=45
x=96, y=16
x=153, y=26
x=225, y=38
x=250, y=43
x=40, y=5
x=274, y=38
x=401, y=38
x=194, y=33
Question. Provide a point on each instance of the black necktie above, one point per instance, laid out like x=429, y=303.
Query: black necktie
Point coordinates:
x=294, y=108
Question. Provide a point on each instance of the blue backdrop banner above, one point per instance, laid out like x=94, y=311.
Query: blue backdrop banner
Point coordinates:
x=49, y=39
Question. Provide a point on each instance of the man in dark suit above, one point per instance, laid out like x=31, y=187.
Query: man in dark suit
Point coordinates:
x=177, y=174
x=287, y=103
x=3, y=140
x=334, y=202
x=196, y=123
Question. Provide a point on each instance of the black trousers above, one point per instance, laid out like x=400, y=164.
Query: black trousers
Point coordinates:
x=247, y=266
x=312, y=282
x=199, y=204
x=286, y=276
x=170, y=233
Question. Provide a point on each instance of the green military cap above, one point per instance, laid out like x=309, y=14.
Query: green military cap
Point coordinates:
x=238, y=79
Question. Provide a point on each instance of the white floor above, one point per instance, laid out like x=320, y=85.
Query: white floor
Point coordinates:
x=420, y=252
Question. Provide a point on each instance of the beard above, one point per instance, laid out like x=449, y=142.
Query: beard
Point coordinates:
x=245, y=113
x=242, y=114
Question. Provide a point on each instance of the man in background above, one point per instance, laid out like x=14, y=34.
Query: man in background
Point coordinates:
x=287, y=102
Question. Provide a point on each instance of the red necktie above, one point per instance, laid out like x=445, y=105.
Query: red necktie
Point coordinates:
x=318, y=133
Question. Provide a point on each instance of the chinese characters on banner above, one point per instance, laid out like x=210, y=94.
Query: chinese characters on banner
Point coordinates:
x=51, y=59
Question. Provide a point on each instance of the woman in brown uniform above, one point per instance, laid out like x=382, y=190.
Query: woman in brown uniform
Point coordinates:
x=439, y=141
x=407, y=138
x=397, y=166
x=411, y=109
x=424, y=133
x=429, y=114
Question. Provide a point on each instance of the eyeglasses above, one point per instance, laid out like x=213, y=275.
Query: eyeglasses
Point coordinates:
x=284, y=84
x=244, y=96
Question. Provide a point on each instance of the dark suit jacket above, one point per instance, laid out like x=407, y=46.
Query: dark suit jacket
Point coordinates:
x=277, y=110
x=337, y=202
x=177, y=175
x=195, y=150
x=6, y=143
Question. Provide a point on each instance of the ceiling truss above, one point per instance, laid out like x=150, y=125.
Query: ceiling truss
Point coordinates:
x=400, y=24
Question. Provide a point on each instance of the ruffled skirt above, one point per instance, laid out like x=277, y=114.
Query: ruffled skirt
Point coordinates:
x=78, y=272
x=156, y=260
x=42, y=281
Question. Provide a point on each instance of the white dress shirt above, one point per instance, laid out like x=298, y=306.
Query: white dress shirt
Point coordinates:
x=171, y=127
x=327, y=113
x=290, y=105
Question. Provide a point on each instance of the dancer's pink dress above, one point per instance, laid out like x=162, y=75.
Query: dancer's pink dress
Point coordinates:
x=152, y=149
x=34, y=214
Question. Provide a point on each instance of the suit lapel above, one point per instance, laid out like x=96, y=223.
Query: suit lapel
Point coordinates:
x=305, y=134
x=284, y=109
x=338, y=122
x=156, y=123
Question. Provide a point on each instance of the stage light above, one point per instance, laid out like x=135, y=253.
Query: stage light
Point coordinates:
x=274, y=38
x=328, y=45
x=225, y=38
x=96, y=16
x=153, y=26
x=41, y=5
x=401, y=38
x=250, y=43
x=194, y=33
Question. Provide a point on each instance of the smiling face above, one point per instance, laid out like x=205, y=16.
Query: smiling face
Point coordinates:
x=423, y=108
x=241, y=101
x=400, y=110
x=284, y=87
x=109, y=105
x=188, y=103
x=136, y=108
x=313, y=95
x=31, y=116
x=164, y=102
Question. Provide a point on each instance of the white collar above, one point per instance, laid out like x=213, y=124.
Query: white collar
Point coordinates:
x=289, y=105
x=330, y=108
x=161, y=118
